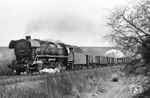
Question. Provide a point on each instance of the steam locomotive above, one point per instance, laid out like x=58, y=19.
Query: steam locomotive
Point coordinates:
x=33, y=55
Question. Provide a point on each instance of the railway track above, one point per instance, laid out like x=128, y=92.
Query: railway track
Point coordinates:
x=8, y=80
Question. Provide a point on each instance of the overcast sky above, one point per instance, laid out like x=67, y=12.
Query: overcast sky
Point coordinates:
x=78, y=22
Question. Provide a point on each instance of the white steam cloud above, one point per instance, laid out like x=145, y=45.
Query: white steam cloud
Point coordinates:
x=59, y=24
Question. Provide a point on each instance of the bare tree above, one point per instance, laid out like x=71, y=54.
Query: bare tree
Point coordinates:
x=130, y=27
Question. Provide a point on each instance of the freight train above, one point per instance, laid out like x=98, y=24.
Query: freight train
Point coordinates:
x=33, y=55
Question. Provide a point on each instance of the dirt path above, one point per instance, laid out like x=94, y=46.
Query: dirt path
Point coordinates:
x=109, y=89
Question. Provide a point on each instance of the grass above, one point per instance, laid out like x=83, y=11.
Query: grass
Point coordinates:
x=65, y=85
x=6, y=56
x=4, y=67
x=136, y=74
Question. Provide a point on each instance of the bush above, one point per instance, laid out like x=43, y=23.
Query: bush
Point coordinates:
x=4, y=67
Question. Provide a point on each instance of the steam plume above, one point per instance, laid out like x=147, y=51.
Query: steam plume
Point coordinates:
x=60, y=24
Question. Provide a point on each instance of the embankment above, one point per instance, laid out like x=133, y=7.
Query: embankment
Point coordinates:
x=65, y=85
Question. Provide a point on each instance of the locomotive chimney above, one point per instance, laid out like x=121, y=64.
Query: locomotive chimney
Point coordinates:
x=28, y=37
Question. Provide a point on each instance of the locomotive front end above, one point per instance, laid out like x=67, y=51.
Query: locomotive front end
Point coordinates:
x=24, y=52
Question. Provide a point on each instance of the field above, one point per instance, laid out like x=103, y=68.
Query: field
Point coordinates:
x=77, y=84
x=93, y=83
x=96, y=50
x=6, y=56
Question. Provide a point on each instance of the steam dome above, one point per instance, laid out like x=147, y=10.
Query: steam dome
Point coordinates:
x=114, y=53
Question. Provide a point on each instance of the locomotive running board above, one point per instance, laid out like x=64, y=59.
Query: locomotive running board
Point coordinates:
x=52, y=56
